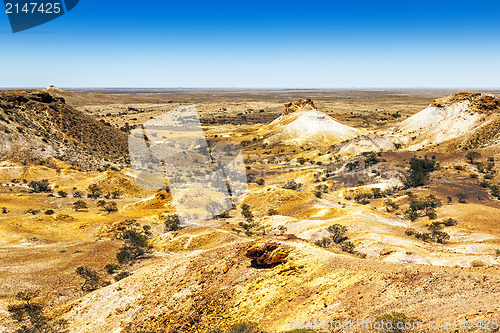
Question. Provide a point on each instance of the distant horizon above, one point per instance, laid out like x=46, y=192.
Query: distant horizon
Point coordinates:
x=258, y=88
x=212, y=45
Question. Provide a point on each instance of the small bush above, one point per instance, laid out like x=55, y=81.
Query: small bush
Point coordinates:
x=111, y=207
x=49, y=212
x=91, y=278
x=78, y=195
x=462, y=198
x=40, y=186
x=62, y=194
x=79, y=205
x=420, y=168
x=172, y=223
x=272, y=211
x=260, y=181
x=472, y=156
x=111, y=269
x=121, y=276
x=292, y=185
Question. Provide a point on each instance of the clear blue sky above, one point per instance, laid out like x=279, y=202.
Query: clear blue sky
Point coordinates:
x=266, y=44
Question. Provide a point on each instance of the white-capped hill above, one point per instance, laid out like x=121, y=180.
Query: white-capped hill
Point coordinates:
x=309, y=127
x=454, y=117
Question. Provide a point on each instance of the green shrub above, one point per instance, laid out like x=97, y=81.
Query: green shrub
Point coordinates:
x=420, y=168
x=172, y=223
x=40, y=186
x=111, y=269
x=79, y=205
x=462, y=198
x=111, y=207
x=292, y=185
x=136, y=243
x=91, y=278
x=472, y=156
x=121, y=276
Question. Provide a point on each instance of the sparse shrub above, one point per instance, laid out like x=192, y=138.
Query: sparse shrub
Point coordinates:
x=136, y=243
x=40, y=186
x=216, y=209
x=4, y=210
x=245, y=211
x=419, y=207
x=49, y=212
x=450, y=222
x=430, y=213
x=397, y=146
x=91, y=278
x=272, y=211
x=111, y=268
x=420, y=168
x=497, y=252
x=111, y=207
x=94, y=191
x=121, y=276
x=172, y=223
x=390, y=205
x=394, y=322
x=347, y=247
x=370, y=158
x=301, y=160
x=62, y=194
x=32, y=211
x=449, y=200
x=351, y=166
x=292, y=185
x=78, y=195
x=32, y=316
x=116, y=194
x=260, y=181
x=79, y=205
x=337, y=233
x=472, y=156
x=462, y=198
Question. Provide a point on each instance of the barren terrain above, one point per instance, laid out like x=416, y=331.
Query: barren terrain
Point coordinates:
x=359, y=204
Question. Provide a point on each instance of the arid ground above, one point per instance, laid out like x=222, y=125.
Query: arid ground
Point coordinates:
x=369, y=205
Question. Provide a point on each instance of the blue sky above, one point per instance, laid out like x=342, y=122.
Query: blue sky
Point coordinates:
x=259, y=44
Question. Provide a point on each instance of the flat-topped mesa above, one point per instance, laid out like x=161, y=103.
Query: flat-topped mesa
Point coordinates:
x=479, y=102
x=300, y=105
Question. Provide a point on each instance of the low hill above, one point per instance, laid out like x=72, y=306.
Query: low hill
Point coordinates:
x=302, y=125
x=459, y=121
x=36, y=125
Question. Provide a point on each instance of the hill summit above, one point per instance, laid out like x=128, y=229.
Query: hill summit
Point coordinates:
x=36, y=125
x=463, y=120
x=302, y=124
